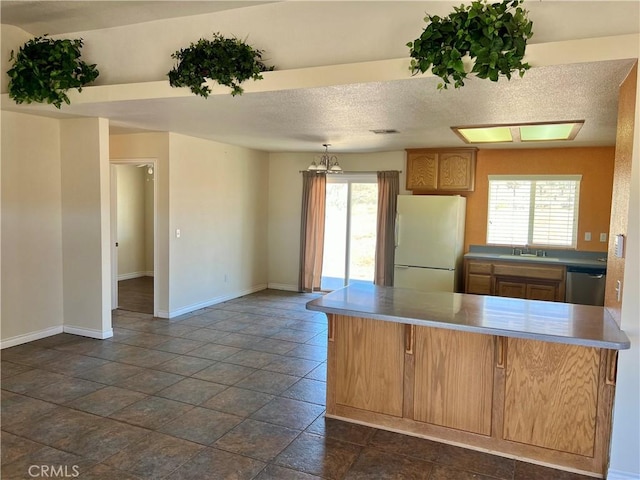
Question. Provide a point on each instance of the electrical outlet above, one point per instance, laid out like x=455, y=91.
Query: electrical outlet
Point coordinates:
x=587, y=236
x=603, y=237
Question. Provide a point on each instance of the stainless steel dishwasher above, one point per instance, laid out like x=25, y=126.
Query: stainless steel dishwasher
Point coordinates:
x=585, y=285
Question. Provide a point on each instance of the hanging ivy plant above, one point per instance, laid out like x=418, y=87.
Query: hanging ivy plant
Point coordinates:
x=44, y=69
x=228, y=61
x=494, y=36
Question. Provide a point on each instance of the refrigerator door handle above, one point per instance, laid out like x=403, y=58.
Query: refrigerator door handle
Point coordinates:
x=397, y=230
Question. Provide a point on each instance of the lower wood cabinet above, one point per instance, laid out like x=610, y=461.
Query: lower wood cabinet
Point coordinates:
x=547, y=402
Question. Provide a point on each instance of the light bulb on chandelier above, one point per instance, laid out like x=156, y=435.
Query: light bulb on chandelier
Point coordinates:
x=326, y=163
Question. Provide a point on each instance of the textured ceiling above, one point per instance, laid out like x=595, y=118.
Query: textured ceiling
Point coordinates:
x=343, y=115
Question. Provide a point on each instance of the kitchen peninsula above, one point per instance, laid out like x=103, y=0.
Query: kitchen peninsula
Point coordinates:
x=526, y=379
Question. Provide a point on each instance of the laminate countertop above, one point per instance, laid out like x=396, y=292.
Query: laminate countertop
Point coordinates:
x=557, y=322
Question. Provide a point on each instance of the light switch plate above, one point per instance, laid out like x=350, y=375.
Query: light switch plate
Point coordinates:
x=603, y=237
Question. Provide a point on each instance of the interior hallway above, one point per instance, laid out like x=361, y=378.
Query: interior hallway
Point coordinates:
x=136, y=295
x=236, y=390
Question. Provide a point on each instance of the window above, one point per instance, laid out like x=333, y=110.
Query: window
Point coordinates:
x=350, y=230
x=533, y=210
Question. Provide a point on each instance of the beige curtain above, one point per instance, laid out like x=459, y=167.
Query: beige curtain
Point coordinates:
x=388, y=190
x=314, y=188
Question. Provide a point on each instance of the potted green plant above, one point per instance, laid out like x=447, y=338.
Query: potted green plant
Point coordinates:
x=228, y=61
x=492, y=35
x=44, y=69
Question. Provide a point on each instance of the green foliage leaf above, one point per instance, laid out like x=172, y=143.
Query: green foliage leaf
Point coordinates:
x=228, y=61
x=44, y=70
x=494, y=36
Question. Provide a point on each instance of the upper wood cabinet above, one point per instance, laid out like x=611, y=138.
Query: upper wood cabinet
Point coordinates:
x=441, y=170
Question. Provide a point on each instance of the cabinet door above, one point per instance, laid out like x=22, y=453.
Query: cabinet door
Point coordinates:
x=536, y=291
x=551, y=395
x=511, y=289
x=370, y=364
x=422, y=171
x=456, y=171
x=453, y=379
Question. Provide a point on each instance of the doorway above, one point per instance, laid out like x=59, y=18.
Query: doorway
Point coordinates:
x=350, y=230
x=133, y=234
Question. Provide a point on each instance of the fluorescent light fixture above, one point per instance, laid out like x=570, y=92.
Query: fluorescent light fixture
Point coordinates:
x=526, y=132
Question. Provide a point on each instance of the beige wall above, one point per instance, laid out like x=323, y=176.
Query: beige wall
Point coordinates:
x=149, y=222
x=218, y=201
x=131, y=208
x=86, y=241
x=285, y=194
x=31, y=282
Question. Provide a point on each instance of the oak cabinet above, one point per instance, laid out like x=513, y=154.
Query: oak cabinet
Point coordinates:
x=371, y=358
x=515, y=280
x=441, y=170
x=453, y=379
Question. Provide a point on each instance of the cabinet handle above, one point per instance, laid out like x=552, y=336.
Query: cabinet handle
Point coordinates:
x=501, y=352
x=612, y=367
x=331, y=328
x=409, y=335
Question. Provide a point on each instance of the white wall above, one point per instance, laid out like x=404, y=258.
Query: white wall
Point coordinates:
x=285, y=197
x=218, y=201
x=86, y=241
x=625, y=442
x=145, y=146
x=31, y=282
x=131, y=183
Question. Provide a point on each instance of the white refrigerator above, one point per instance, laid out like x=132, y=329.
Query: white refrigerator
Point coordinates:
x=429, y=242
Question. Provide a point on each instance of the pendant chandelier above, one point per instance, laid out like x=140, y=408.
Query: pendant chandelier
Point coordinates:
x=325, y=163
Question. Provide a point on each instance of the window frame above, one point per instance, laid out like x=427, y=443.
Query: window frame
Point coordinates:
x=531, y=215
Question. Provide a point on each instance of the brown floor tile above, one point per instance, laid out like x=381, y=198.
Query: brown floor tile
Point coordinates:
x=13, y=447
x=31, y=380
x=321, y=456
x=214, y=464
x=445, y=472
x=213, y=351
x=268, y=382
x=320, y=340
x=38, y=464
x=75, y=364
x=319, y=373
x=309, y=352
x=224, y=373
x=340, y=430
x=261, y=330
x=274, y=472
x=206, y=335
x=289, y=413
x=65, y=390
x=192, y=390
x=251, y=358
x=293, y=335
x=184, y=365
x=217, y=315
x=299, y=368
x=143, y=357
x=151, y=412
x=150, y=381
x=308, y=391
x=272, y=345
x=111, y=373
x=154, y=457
x=257, y=439
x=9, y=369
x=478, y=462
x=238, y=401
x=106, y=401
x=376, y=464
x=179, y=345
x=201, y=425
x=398, y=444
x=105, y=472
x=233, y=324
x=18, y=409
x=147, y=340
x=239, y=340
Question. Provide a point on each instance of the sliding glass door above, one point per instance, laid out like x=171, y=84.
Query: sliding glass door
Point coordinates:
x=350, y=230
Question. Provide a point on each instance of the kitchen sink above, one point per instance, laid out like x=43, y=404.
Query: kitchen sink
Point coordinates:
x=529, y=256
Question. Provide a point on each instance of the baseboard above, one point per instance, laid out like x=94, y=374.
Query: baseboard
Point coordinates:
x=212, y=301
x=283, y=286
x=619, y=475
x=129, y=276
x=88, y=332
x=148, y=274
x=30, y=337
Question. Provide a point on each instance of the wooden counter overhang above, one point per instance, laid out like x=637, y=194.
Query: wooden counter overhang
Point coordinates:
x=556, y=322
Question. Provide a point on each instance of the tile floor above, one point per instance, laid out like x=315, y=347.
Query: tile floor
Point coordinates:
x=235, y=391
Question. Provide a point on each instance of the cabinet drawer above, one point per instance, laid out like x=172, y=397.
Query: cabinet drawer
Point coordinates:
x=477, y=267
x=529, y=271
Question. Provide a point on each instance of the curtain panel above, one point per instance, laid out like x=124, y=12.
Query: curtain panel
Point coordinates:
x=314, y=188
x=388, y=190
